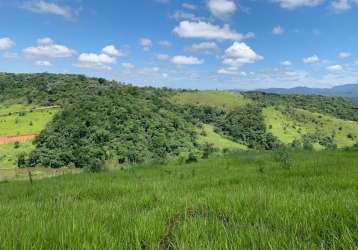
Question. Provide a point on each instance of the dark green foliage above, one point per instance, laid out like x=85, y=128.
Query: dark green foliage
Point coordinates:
x=208, y=149
x=336, y=106
x=283, y=158
x=246, y=125
x=21, y=160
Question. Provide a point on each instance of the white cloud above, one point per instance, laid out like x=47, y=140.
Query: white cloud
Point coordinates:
x=335, y=68
x=96, y=61
x=47, y=48
x=186, y=60
x=155, y=69
x=203, y=46
x=43, y=63
x=165, y=75
x=44, y=7
x=286, y=63
x=45, y=41
x=111, y=50
x=278, y=30
x=146, y=43
x=341, y=5
x=10, y=55
x=344, y=55
x=311, y=59
x=165, y=43
x=128, y=66
x=188, y=6
x=182, y=15
x=294, y=4
x=6, y=43
x=239, y=54
x=227, y=72
x=222, y=8
x=208, y=31
x=163, y=57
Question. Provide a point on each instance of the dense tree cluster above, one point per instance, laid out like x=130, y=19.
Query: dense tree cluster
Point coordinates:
x=336, y=106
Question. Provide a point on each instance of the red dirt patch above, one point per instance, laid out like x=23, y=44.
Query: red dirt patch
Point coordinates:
x=19, y=138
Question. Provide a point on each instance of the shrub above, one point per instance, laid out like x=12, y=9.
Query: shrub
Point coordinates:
x=21, y=160
x=95, y=165
x=283, y=158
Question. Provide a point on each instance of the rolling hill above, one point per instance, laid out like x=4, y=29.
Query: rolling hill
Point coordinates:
x=104, y=121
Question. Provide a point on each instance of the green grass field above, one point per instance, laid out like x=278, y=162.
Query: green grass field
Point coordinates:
x=29, y=123
x=243, y=201
x=288, y=129
x=218, y=141
x=12, y=123
x=8, y=153
x=217, y=99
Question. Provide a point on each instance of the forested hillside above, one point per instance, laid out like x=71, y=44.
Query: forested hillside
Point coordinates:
x=99, y=121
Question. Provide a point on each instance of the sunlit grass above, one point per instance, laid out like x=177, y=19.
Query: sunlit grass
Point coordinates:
x=242, y=201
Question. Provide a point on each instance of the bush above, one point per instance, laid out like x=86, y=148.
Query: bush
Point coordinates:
x=21, y=160
x=192, y=158
x=208, y=149
x=95, y=165
x=283, y=158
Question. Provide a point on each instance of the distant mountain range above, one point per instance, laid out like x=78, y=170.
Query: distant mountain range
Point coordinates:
x=348, y=90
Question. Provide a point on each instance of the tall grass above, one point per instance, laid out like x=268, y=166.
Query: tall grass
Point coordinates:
x=243, y=201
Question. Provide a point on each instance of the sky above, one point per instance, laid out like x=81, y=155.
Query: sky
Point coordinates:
x=197, y=44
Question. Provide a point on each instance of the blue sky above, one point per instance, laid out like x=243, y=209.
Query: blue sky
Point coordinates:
x=204, y=44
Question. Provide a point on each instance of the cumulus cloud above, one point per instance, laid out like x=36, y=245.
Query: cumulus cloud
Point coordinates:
x=6, y=43
x=278, y=30
x=204, y=46
x=311, y=59
x=165, y=43
x=240, y=53
x=43, y=63
x=335, y=68
x=286, y=63
x=46, y=47
x=111, y=50
x=163, y=57
x=344, y=55
x=96, y=61
x=127, y=66
x=222, y=8
x=204, y=30
x=341, y=5
x=146, y=43
x=44, y=7
x=227, y=71
x=188, y=6
x=294, y=4
x=186, y=60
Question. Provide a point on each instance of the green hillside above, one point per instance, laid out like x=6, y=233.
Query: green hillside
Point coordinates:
x=217, y=99
x=297, y=124
x=242, y=201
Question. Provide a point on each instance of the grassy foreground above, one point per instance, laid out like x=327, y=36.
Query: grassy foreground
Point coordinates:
x=243, y=201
